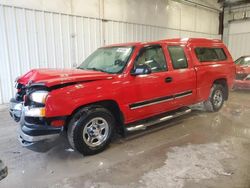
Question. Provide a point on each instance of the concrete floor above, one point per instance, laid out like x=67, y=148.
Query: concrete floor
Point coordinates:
x=198, y=150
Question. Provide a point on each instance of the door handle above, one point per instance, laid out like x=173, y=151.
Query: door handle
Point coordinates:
x=168, y=79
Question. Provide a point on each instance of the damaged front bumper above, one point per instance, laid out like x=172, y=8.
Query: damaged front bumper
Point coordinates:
x=31, y=133
x=15, y=109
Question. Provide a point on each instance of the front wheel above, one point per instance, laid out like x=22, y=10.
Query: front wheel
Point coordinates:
x=90, y=130
x=216, y=98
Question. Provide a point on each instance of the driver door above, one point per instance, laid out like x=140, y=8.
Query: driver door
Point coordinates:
x=152, y=93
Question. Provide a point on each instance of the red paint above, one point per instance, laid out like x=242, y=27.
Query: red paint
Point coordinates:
x=126, y=89
x=51, y=77
x=244, y=83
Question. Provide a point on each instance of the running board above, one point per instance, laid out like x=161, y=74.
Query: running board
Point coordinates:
x=142, y=125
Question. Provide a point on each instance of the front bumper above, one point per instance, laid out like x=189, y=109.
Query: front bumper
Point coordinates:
x=15, y=109
x=31, y=133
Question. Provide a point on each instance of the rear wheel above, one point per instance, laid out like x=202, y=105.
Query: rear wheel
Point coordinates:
x=216, y=98
x=90, y=130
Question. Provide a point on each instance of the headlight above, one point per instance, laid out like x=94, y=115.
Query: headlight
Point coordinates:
x=39, y=96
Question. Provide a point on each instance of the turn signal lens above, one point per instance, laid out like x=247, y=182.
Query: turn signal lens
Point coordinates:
x=35, y=112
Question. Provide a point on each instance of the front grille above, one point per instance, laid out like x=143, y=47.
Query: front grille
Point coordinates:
x=240, y=76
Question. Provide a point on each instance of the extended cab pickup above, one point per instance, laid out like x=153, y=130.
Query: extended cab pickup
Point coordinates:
x=124, y=87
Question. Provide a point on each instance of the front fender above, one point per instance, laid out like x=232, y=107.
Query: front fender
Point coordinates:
x=63, y=101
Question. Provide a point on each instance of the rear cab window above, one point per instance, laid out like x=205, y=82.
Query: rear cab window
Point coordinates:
x=206, y=54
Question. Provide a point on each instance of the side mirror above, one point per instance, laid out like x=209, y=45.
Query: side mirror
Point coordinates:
x=141, y=69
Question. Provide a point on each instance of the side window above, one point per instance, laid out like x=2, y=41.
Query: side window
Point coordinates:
x=210, y=54
x=153, y=57
x=178, y=57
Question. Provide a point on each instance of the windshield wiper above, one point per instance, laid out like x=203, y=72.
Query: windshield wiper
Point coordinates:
x=95, y=69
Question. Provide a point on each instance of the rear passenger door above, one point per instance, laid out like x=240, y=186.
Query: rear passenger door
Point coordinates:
x=182, y=74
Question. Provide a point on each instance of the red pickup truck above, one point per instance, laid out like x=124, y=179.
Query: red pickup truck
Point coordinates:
x=123, y=87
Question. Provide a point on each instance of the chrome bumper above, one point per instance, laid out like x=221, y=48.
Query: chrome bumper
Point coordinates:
x=28, y=140
x=29, y=134
x=15, y=109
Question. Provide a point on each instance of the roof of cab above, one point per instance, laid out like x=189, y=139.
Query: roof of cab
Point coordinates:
x=185, y=41
x=124, y=44
x=191, y=40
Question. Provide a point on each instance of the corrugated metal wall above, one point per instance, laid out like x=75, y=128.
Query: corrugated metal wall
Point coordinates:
x=116, y=32
x=239, y=38
x=37, y=39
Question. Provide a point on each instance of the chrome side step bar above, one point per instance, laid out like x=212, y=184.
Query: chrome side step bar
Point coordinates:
x=168, y=116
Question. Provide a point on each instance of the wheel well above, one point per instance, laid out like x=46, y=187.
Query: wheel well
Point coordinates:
x=223, y=82
x=113, y=107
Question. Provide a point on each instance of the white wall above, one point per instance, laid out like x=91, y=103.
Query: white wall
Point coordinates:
x=90, y=8
x=237, y=30
x=61, y=33
x=164, y=13
x=48, y=5
x=239, y=38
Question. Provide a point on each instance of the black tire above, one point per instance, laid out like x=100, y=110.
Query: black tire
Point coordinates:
x=212, y=105
x=76, y=129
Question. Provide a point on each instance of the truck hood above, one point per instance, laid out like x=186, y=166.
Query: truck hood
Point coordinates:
x=52, y=77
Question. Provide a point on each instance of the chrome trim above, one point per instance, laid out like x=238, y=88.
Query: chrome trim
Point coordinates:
x=149, y=104
x=22, y=137
x=159, y=120
x=15, y=110
x=185, y=94
x=16, y=106
x=137, y=127
x=166, y=118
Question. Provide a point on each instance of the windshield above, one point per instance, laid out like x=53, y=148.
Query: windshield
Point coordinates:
x=109, y=59
x=243, y=61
